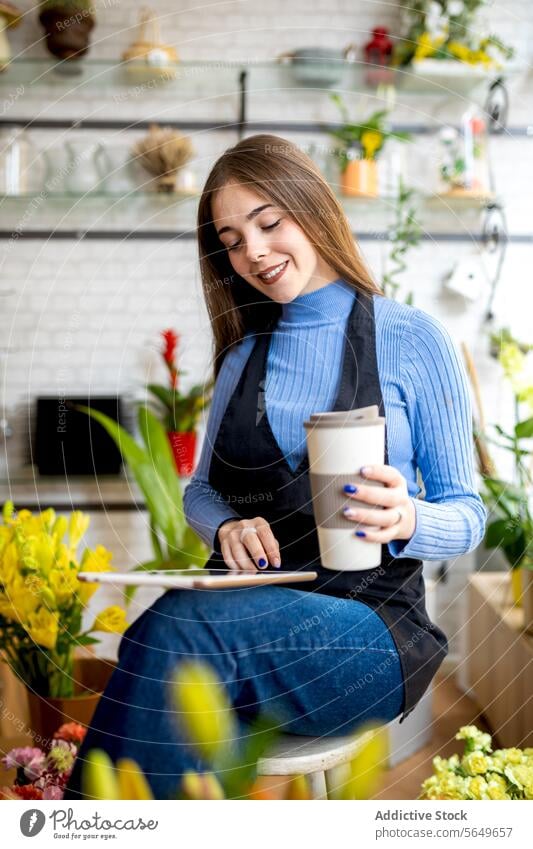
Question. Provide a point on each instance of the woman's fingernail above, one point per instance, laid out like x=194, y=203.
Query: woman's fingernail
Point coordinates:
x=262, y=563
x=348, y=511
x=365, y=470
x=276, y=563
x=350, y=488
x=360, y=534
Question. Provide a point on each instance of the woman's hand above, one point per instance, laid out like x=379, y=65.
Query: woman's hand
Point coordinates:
x=397, y=519
x=261, y=547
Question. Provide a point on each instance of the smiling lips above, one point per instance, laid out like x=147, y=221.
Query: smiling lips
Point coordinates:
x=272, y=274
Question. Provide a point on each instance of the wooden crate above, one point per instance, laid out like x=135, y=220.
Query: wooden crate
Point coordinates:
x=500, y=659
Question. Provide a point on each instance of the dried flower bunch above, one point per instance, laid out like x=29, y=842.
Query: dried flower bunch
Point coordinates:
x=163, y=152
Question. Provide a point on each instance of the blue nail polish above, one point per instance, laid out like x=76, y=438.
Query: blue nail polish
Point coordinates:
x=350, y=488
x=360, y=534
x=262, y=563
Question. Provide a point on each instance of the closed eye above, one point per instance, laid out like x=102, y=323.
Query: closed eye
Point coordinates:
x=268, y=227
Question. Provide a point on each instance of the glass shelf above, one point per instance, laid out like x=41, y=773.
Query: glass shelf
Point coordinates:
x=176, y=213
x=101, y=73
x=223, y=76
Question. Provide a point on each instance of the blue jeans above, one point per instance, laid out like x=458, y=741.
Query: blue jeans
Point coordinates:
x=318, y=664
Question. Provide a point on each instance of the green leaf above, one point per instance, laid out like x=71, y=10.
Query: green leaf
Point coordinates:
x=167, y=396
x=163, y=514
x=158, y=447
x=501, y=532
x=85, y=640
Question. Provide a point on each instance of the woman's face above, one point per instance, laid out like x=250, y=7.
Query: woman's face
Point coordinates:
x=265, y=247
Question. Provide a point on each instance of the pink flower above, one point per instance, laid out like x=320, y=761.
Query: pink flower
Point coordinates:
x=53, y=792
x=31, y=759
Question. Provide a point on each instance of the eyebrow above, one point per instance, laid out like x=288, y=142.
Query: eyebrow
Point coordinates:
x=249, y=217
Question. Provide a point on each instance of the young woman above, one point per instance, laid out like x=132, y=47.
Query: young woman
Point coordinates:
x=299, y=327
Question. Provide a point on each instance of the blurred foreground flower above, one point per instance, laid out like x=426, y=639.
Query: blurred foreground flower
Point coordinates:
x=231, y=754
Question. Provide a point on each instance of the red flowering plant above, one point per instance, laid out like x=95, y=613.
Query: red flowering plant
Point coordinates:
x=43, y=773
x=181, y=410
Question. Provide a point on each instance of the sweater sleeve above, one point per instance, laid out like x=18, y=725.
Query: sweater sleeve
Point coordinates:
x=451, y=518
x=205, y=510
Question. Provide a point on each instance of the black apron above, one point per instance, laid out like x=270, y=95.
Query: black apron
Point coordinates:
x=253, y=477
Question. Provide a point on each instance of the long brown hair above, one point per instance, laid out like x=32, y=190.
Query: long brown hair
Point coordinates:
x=284, y=175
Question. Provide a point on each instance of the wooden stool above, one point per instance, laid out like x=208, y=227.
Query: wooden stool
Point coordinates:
x=315, y=757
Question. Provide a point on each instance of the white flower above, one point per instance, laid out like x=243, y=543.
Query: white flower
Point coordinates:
x=436, y=21
x=455, y=7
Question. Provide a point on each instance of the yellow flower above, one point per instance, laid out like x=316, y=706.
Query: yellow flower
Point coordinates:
x=512, y=756
x=474, y=738
x=60, y=527
x=43, y=627
x=427, y=46
x=475, y=763
x=64, y=583
x=511, y=359
x=98, y=560
x=111, y=620
x=461, y=51
x=9, y=563
x=7, y=511
x=101, y=780
x=371, y=141
x=44, y=552
x=205, y=710
x=495, y=792
x=477, y=788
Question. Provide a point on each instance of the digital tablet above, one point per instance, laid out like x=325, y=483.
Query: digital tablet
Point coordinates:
x=209, y=579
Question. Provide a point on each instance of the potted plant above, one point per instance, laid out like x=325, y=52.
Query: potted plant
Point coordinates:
x=175, y=545
x=180, y=411
x=443, y=33
x=67, y=24
x=41, y=607
x=360, y=145
x=510, y=501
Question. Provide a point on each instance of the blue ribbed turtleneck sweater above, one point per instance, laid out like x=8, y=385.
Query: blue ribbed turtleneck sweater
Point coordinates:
x=427, y=407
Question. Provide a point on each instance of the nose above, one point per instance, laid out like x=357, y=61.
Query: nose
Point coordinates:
x=256, y=249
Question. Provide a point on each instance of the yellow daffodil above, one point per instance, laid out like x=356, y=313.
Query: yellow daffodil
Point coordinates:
x=43, y=628
x=371, y=140
x=64, y=584
x=40, y=592
x=112, y=620
x=101, y=780
x=98, y=560
x=79, y=522
x=204, y=708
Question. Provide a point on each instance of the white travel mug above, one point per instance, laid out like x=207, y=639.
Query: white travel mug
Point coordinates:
x=338, y=448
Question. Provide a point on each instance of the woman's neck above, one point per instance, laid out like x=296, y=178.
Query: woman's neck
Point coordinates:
x=321, y=306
